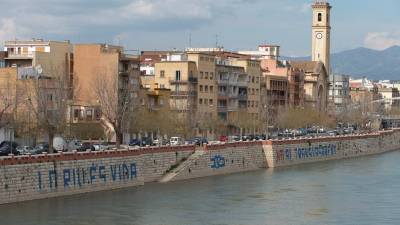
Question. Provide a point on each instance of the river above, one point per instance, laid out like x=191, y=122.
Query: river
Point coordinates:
x=355, y=191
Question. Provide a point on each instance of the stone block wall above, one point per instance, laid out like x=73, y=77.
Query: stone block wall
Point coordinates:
x=25, y=178
x=308, y=150
x=225, y=159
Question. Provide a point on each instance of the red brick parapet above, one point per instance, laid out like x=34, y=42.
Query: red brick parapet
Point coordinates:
x=70, y=156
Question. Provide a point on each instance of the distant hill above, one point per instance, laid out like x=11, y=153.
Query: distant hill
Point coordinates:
x=374, y=64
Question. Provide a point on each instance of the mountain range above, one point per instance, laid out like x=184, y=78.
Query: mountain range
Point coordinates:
x=365, y=62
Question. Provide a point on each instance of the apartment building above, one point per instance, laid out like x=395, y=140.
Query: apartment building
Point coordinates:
x=390, y=97
x=339, y=91
x=364, y=95
x=38, y=57
x=253, y=71
x=3, y=55
x=96, y=65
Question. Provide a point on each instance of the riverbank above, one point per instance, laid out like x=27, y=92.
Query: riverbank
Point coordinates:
x=42, y=176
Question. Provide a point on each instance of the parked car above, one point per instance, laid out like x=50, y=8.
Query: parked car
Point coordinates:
x=42, y=147
x=176, y=141
x=85, y=146
x=146, y=141
x=223, y=138
x=199, y=141
x=134, y=142
x=8, y=147
x=26, y=150
x=234, y=138
x=99, y=146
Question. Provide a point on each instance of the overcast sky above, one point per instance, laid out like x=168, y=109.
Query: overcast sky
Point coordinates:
x=166, y=24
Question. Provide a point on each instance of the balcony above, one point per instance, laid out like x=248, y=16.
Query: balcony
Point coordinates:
x=222, y=95
x=232, y=108
x=193, y=80
x=242, y=83
x=242, y=97
x=222, y=108
x=19, y=55
x=183, y=93
x=178, y=82
x=223, y=82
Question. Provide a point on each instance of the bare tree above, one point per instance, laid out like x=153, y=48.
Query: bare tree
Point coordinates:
x=119, y=99
x=48, y=101
x=7, y=100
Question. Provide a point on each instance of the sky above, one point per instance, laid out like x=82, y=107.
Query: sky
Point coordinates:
x=233, y=24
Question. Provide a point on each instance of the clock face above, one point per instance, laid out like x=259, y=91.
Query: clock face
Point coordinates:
x=319, y=35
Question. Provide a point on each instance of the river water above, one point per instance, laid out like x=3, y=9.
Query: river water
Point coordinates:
x=355, y=191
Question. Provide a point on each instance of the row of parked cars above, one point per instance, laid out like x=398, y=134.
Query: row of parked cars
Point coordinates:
x=12, y=147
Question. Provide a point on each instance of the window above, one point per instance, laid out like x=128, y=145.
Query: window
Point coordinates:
x=76, y=113
x=162, y=73
x=178, y=75
x=319, y=17
x=206, y=88
x=201, y=88
x=211, y=102
x=161, y=102
x=162, y=86
x=200, y=101
x=97, y=113
x=206, y=101
x=89, y=114
x=201, y=75
x=211, y=75
x=211, y=89
x=206, y=75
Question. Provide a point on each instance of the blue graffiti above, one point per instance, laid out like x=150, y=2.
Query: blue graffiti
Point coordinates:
x=315, y=151
x=306, y=152
x=78, y=177
x=218, y=162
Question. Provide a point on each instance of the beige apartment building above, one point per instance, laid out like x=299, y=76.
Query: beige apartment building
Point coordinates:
x=212, y=88
x=38, y=57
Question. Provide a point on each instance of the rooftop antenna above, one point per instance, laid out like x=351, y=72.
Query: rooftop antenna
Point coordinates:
x=216, y=41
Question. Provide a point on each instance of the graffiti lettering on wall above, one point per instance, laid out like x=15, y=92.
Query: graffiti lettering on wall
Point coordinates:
x=80, y=177
x=217, y=162
x=312, y=152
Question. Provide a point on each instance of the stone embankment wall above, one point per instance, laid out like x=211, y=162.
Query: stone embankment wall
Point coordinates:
x=299, y=151
x=224, y=159
x=41, y=176
x=25, y=178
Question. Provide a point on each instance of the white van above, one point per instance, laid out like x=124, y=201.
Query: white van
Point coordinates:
x=59, y=144
x=175, y=141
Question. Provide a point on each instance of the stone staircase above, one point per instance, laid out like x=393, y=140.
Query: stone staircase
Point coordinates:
x=182, y=166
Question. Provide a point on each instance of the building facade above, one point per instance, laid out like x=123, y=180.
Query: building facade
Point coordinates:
x=339, y=91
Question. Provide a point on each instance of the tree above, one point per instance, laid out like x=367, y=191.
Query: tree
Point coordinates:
x=117, y=101
x=48, y=101
x=7, y=100
x=300, y=118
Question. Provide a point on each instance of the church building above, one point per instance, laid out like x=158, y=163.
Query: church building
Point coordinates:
x=316, y=80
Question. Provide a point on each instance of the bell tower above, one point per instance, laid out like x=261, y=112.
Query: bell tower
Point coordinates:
x=321, y=32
